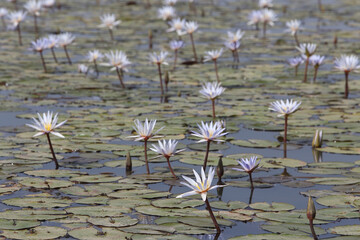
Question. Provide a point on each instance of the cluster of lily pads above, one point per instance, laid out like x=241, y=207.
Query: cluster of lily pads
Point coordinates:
x=208, y=132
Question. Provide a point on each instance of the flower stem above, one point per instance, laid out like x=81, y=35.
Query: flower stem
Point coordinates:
x=111, y=34
x=193, y=46
x=311, y=222
x=285, y=134
x=19, y=34
x=296, y=70
x=175, y=59
x=171, y=170
x=52, y=151
x=206, y=154
x=146, y=159
x=296, y=39
x=160, y=77
x=251, y=181
x=306, y=69
x=212, y=215
x=213, y=108
x=96, y=67
x=67, y=55
x=36, y=27
x=43, y=61
x=315, y=73
x=264, y=30
x=216, y=71
x=120, y=78
x=346, y=84
x=53, y=54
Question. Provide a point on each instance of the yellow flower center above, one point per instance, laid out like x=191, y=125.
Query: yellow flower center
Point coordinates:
x=48, y=127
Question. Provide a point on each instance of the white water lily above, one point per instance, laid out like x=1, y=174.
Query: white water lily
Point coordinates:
x=46, y=124
x=177, y=25
x=248, y=165
x=293, y=26
x=202, y=184
x=212, y=90
x=347, y=63
x=213, y=55
x=307, y=49
x=145, y=131
x=109, y=21
x=117, y=60
x=285, y=108
x=166, y=148
x=210, y=132
x=158, y=58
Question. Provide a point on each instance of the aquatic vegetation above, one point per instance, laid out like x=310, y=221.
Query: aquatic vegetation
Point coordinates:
x=293, y=28
x=248, y=166
x=316, y=61
x=109, y=21
x=213, y=56
x=64, y=40
x=39, y=46
x=34, y=7
x=53, y=42
x=159, y=59
x=177, y=25
x=175, y=46
x=14, y=19
x=212, y=91
x=311, y=214
x=295, y=62
x=118, y=61
x=307, y=49
x=94, y=56
x=267, y=17
x=347, y=64
x=190, y=27
x=166, y=13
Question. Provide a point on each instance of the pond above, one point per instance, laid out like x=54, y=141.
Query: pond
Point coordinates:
x=93, y=196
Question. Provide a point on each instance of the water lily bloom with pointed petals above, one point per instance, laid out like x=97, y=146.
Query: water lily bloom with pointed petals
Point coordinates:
x=39, y=45
x=33, y=7
x=347, y=63
x=232, y=45
x=294, y=26
x=213, y=55
x=145, y=131
x=53, y=41
x=201, y=185
x=295, y=61
x=48, y=3
x=265, y=4
x=94, y=55
x=158, y=58
x=248, y=165
x=254, y=17
x=285, y=108
x=210, y=132
x=166, y=149
x=212, y=90
x=65, y=39
x=109, y=21
x=3, y=12
x=177, y=25
x=235, y=36
x=14, y=18
x=46, y=124
x=307, y=49
x=117, y=59
x=268, y=16
x=82, y=68
x=166, y=13
x=176, y=45
x=317, y=60
x=191, y=27
x=170, y=2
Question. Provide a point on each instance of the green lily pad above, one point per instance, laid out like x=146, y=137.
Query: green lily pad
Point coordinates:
x=90, y=233
x=99, y=211
x=122, y=221
x=256, y=143
x=26, y=214
x=293, y=229
x=271, y=236
x=177, y=203
x=334, y=181
x=7, y=224
x=48, y=183
x=337, y=200
x=273, y=207
x=38, y=202
x=348, y=230
x=37, y=233
x=203, y=221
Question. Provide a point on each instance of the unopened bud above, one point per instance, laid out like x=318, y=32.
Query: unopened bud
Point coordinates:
x=167, y=78
x=150, y=38
x=317, y=140
x=220, y=168
x=311, y=211
x=128, y=162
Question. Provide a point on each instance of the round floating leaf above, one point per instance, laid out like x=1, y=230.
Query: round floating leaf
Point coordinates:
x=59, y=173
x=256, y=143
x=271, y=236
x=298, y=184
x=149, y=229
x=348, y=230
x=334, y=181
x=38, y=202
x=228, y=205
x=202, y=146
x=95, y=179
x=139, y=193
x=93, y=190
x=337, y=200
x=40, y=215
x=235, y=215
x=90, y=233
x=7, y=224
x=273, y=207
x=246, y=184
x=99, y=211
x=100, y=200
x=123, y=221
x=128, y=202
x=4, y=189
x=296, y=229
x=203, y=221
x=37, y=233
x=177, y=203
x=281, y=163
x=48, y=183
x=287, y=217
x=335, y=165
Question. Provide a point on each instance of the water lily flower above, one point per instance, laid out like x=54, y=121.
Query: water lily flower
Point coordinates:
x=64, y=40
x=285, y=109
x=94, y=56
x=3, y=13
x=316, y=61
x=318, y=138
x=248, y=166
x=311, y=214
x=159, y=59
x=268, y=17
x=39, y=46
x=190, y=27
x=175, y=46
x=208, y=133
x=214, y=55
x=14, y=19
x=170, y=2
x=145, y=132
x=46, y=125
x=202, y=186
x=255, y=18
x=293, y=28
x=82, y=68
x=177, y=25
x=347, y=64
x=295, y=62
x=166, y=13
x=119, y=62
x=109, y=21
x=212, y=91
x=233, y=46
x=48, y=3
x=167, y=149
x=265, y=4
x=307, y=49
x=34, y=7
x=53, y=42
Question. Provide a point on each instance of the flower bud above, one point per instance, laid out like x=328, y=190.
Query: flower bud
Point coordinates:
x=220, y=168
x=317, y=140
x=311, y=211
